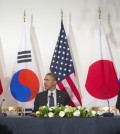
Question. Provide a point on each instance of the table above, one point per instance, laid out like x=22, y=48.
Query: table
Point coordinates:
x=34, y=125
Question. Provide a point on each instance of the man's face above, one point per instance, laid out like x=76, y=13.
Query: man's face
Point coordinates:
x=49, y=83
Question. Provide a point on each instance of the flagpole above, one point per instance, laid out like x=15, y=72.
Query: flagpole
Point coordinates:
x=99, y=13
x=61, y=14
x=24, y=16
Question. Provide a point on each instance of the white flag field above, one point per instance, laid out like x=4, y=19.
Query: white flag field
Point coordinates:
x=114, y=46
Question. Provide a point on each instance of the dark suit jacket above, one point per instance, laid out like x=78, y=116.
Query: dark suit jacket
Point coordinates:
x=118, y=101
x=41, y=99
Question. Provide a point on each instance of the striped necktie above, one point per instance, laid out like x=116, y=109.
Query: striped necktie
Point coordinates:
x=51, y=103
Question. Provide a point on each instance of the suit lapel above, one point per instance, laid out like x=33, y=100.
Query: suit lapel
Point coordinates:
x=59, y=97
x=45, y=99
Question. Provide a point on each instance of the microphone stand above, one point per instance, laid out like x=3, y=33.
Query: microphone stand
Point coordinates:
x=1, y=113
x=108, y=113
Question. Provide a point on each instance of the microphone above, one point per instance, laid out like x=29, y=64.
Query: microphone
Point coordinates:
x=1, y=113
x=108, y=113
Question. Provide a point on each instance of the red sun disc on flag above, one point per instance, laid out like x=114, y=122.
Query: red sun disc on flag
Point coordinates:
x=102, y=82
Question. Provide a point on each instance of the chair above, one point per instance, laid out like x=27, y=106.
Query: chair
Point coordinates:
x=27, y=111
x=18, y=111
x=102, y=109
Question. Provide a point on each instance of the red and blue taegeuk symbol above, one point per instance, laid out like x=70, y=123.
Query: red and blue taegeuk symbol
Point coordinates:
x=24, y=85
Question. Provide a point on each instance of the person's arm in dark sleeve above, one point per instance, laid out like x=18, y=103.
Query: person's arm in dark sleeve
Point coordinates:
x=118, y=101
x=67, y=99
x=36, y=104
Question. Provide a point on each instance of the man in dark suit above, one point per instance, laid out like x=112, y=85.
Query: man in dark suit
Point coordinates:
x=52, y=96
x=118, y=101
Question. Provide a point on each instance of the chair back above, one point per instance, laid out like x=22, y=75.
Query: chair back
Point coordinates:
x=27, y=111
x=102, y=109
x=18, y=111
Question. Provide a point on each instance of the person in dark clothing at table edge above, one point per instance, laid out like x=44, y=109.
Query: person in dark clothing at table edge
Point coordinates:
x=118, y=101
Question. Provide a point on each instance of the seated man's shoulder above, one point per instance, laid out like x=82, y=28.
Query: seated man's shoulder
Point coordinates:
x=62, y=92
x=42, y=93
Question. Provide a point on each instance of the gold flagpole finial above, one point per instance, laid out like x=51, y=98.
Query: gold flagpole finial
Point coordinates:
x=99, y=13
x=24, y=15
x=61, y=14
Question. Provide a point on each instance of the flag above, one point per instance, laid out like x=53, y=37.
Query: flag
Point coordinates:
x=119, y=78
x=62, y=66
x=35, y=47
x=101, y=83
x=24, y=84
x=114, y=47
x=1, y=89
x=4, y=80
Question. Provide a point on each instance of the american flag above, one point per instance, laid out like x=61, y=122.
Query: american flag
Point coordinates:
x=62, y=66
